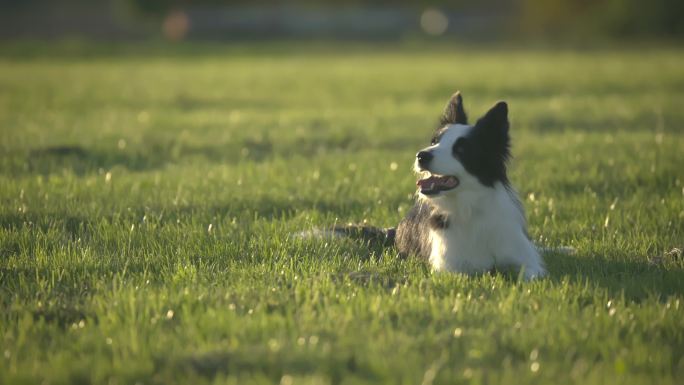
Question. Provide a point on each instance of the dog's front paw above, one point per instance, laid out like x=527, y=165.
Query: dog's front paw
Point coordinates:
x=533, y=272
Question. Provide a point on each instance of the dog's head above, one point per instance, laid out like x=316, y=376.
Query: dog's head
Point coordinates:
x=462, y=157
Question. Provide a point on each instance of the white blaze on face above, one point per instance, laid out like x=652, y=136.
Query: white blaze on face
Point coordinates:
x=443, y=161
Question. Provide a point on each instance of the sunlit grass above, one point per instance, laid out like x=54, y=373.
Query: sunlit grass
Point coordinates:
x=149, y=204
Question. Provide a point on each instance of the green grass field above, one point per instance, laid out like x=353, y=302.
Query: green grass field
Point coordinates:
x=149, y=196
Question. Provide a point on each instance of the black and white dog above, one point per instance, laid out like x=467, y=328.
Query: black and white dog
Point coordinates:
x=467, y=217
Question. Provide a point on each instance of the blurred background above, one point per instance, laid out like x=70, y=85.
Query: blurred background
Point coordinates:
x=585, y=22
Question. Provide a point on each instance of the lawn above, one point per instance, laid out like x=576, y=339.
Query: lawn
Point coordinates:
x=149, y=197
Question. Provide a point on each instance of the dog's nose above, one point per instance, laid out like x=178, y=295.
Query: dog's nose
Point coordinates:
x=424, y=158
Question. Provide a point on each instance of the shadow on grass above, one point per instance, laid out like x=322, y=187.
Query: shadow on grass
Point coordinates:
x=68, y=223
x=273, y=364
x=63, y=304
x=81, y=160
x=635, y=280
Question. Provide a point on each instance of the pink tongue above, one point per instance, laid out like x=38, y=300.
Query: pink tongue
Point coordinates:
x=422, y=183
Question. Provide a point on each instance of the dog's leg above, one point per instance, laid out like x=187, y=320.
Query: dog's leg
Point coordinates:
x=520, y=252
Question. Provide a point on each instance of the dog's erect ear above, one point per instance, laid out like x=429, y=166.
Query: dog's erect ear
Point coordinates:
x=454, y=112
x=495, y=119
x=490, y=137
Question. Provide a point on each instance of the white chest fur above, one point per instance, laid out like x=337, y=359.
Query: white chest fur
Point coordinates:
x=484, y=231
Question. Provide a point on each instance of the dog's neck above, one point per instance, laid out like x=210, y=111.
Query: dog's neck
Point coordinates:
x=467, y=205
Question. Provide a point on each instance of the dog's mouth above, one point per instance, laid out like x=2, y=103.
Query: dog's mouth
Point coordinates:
x=432, y=184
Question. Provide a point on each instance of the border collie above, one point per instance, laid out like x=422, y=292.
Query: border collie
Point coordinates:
x=467, y=217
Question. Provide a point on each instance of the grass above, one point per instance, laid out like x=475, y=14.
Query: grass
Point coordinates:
x=148, y=202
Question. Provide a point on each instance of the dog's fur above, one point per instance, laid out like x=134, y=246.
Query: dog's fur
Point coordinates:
x=476, y=226
x=479, y=225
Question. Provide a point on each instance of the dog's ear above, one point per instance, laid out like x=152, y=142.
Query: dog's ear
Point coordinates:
x=454, y=112
x=490, y=137
x=495, y=119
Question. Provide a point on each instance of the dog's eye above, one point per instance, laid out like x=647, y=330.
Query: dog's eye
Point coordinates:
x=459, y=147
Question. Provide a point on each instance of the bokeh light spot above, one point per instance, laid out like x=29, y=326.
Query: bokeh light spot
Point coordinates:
x=176, y=25
x=434, y=22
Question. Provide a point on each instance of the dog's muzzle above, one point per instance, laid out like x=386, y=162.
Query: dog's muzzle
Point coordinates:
x=433, y=184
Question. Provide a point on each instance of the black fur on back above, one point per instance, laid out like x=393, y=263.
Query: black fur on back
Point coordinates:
x=413, y=232
x=411, y=237
x=369, y=234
